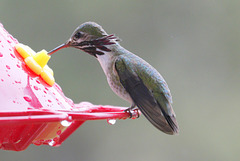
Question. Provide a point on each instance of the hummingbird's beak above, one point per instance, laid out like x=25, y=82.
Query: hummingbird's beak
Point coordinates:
x=65, y=45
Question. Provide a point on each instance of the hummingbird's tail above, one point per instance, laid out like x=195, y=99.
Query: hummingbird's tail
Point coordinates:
x=171, y=120
x=161, y=120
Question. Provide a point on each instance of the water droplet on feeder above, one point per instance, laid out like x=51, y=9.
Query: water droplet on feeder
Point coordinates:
x=59, y=132
x=111, y=121
x=52, y=143
x=35, y=87
x=66, y=123
x=38, y=143
x=27, y=98
x=18, y=82
x=8, y=67
x=12, y=55
x=38, y=81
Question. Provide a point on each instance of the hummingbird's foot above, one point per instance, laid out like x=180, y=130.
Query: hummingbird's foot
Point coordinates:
x=138, y=114
x=129, y=110
x=133, y=112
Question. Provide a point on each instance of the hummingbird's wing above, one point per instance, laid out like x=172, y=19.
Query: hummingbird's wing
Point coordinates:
x=150, y=97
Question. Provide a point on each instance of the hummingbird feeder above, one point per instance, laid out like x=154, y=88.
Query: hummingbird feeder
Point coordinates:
x=33, y=108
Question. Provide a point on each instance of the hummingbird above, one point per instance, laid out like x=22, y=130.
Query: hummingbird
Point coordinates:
x=128, y=75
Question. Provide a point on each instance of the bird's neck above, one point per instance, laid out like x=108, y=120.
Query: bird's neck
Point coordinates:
x=106, y=61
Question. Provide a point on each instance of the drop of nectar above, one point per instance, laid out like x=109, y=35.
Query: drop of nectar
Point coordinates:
x=66, y=123
x=52, y=143
x=111, y=121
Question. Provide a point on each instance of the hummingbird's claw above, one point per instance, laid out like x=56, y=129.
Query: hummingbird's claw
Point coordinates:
x=129, y=110
x=134, y=113
x=138, y=114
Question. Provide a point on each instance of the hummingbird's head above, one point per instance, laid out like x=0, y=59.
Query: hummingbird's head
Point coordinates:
x=89, y=37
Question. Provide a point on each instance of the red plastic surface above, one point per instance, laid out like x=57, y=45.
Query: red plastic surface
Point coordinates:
x=33, y=112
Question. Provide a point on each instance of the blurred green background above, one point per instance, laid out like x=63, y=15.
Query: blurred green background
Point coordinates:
x=193, y=44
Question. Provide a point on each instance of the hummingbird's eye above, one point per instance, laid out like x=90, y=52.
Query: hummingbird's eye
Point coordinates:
x=78, y=35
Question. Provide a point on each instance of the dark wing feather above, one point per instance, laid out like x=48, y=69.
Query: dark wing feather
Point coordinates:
x=144, y=99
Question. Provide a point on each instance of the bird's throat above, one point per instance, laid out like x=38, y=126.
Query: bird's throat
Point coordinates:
x=106, y=61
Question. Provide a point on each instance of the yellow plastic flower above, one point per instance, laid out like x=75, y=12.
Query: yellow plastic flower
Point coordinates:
x=37, y=62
